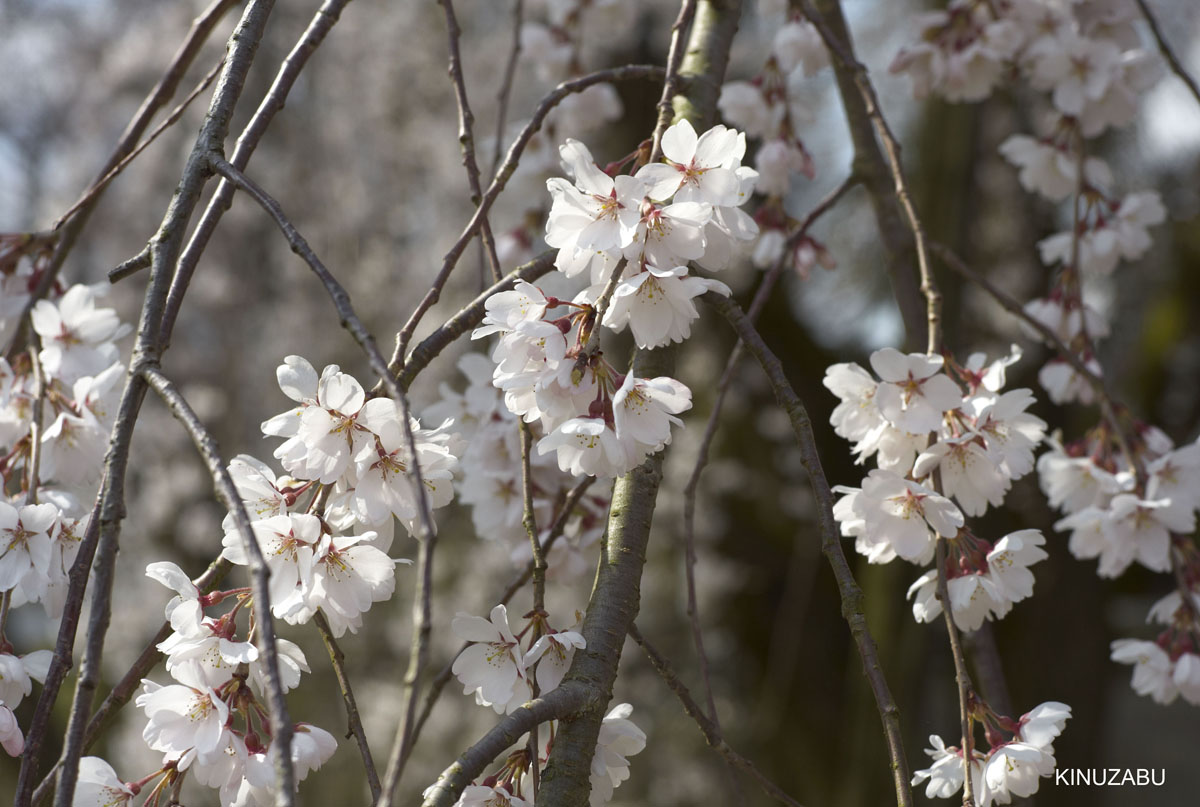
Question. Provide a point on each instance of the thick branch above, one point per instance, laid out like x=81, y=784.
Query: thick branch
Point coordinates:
x=616, y=593
x=568, y=698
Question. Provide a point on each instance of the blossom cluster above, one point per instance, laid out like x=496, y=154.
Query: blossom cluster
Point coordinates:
x=1087, y=58
x=490, y=481
x=502, y=674
x=632, y=236
x=983, y=439
x=323, y=530
x=769, y=107
x=58, y=403
x=219, y=680
x=1127, y=494
x=1012, y=767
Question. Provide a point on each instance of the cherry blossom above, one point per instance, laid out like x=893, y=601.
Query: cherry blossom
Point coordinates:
x=25, y=546
x=946, y=775
x=698, y=167
x=892, y=516
x=99, y=786
x=913, y=394
x=658, y=306
x=493, y=663
x=76, y=336
x=618, y=740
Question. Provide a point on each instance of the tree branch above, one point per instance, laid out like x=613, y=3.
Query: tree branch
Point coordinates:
x=831, y=545
x=110, y=508
x=464, y=320
x=1176, y=65
x=281, y=723
x=872, y=169
x=337, y=659
x=710, y=430
x=466, y=137
x=289, y=70
x=616, y=593
x=709, y=728
x=569, y=697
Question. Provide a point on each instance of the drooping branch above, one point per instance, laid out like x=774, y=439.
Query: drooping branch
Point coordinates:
x=709, y=728
x=1176, y=65
x=831, y=545
x=466, y=135
x=323, y=20
x=281, y=724
x=710, y=430
x=337, y=659
x=872, y=169
x=110, y=507
x=506, y=83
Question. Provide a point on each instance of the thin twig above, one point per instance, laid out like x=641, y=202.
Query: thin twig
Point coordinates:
x=962, y=679
x=337, y=659
x=709, y=728
x=321, y=24
x=516, y=584
x=843, y=51
x=506, y=84
x=1176, y=65
x=162, y=92
x=130, y=267
x=626, y=73
x=529, y=521
x=831, y=544
x=35, y=425
x=103, y=183
x=1109, y=407
x=281, y=724
x=466, y=136
x=468, y=317
x=666, y=109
